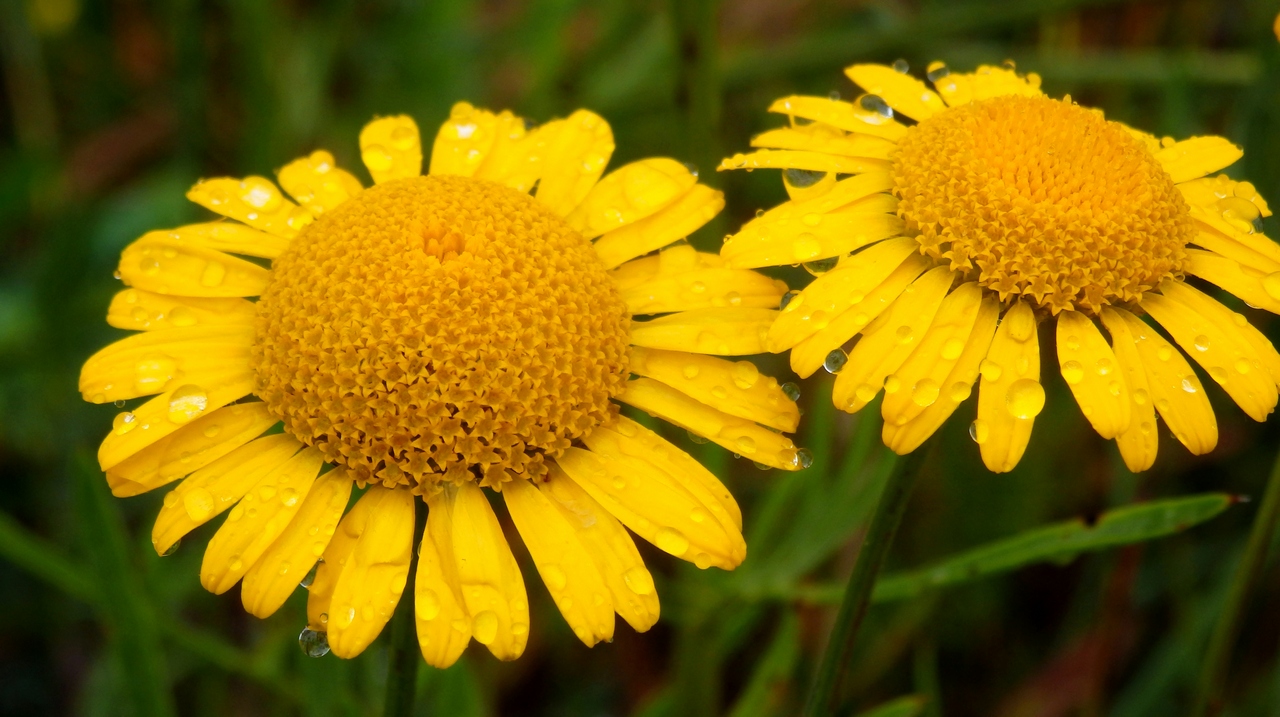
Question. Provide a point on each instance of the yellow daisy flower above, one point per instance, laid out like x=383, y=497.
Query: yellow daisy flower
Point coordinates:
x=428, y=336
x=945, y=239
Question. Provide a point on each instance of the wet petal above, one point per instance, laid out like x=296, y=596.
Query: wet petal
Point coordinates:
x=1010, y=396
x=1194, y=158
x=256, y=201
x=156, y=361
x=809, y=161
x=1089, y=367
x=1245, y=282
x=132, y=431
x=162, y=264
x=904, y=93
x=844, y=115
x=575, y=158
x=141, y=310
x=1139, y=443
x=736, y=388
x=670, y=224
x=444, y=627
x=631, y=193
x=318, y=183
x=464, y=140
x=823, y=138
x=391, y=149
x=730, y=331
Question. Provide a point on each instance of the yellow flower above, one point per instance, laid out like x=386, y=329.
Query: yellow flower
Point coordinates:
x=428, y=336
x=947, y=238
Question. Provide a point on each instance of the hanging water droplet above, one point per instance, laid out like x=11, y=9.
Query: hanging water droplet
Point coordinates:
x=802, y=178
x=835, y=361
x=936, y=71
x=172, y=548
x=821, y=266
x=696, y=438
x=804, y=457
x=979, y=431
x=314, y=643
x=791, y=390
x=310, y=577
x=789, y=299
x=874, y=103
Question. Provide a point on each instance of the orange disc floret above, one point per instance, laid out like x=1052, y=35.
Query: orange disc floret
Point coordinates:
x=440, y=329
x=1042, y=199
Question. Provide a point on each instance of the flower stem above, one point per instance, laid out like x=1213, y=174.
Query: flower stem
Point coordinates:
x=824, y=696
x=1210, y=698
x=403, y=656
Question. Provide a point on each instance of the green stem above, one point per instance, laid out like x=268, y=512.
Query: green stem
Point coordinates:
x=1210, y=698
x=823, y=698
x=403, y=656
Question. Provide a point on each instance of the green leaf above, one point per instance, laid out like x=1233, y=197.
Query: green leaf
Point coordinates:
x=901, y=707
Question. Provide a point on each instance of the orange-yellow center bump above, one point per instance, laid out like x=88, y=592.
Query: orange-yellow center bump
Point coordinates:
x=440, y=329
x=1042, y=199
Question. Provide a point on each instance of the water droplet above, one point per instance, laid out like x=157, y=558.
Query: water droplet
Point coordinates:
x=1189, y=384
x=806, y=248
x=1072, y=342
x=485, y=627
x=925, y=393
x=835, y=361
x=149, y=266
x=804, y=457
x=519, y=628
x=152, y=373
x=952, y=348
x=236, y=565
x=182, y=316
x=901, y=66
x=790, y=301
x=1073, y=372
x=791, y=390
x=873, y=103
x=428, y=604
x=124, y=422
x=310, y=577
x=1164, y=352
x=802, y=178
x=314, y=643
x=960, y=391
x=698, y=515
x=746, y=445
x=1104, y=366
x=703, y=561
x=1242, y=366
x=865, y=392
x=936, y=71
x=1025, y=398
x=719, y=392
x=1202, y=343
x=553, y=576
x=979, y=431
x=289, y=497
x=1218, y=373
x=377, y=158
x=1114, y=388
x=1271, y=283
x=744, y=374
x=171, y=499
x=639, y=580
x=187, y=402
x=213, y=274
x=696, y=438
x=172, y=548
x=672, y=541
x=990, y=370
x=199, y=504
x=1141, y=397
x=822, y=266
x=892, y=384
x=904, y=334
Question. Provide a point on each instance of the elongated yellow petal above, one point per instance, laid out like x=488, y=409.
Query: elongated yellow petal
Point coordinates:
x=1238, y=230
x=257, y=520
x=134, y=430
x=809, y=161
x=808, y=355
x=147, y=311
x=904, y=93
x=842, y=289
x=1251, y=249
x=1220, y=350
x=472, y=546
x=610, y=547
x=1138, y=444
x=631, y=193
x=216, y=487
x=444, y=627
x=464, y=140
x=1089, y=367
x=736, y=434
x=956, y=387
x=959, y=88
x=704, y=288
x=336, y=554
x=729, y=331
x=922, y=376
x=287, y=561
x=889, y=341
x=671, y=261
x=515, y=159
x=231, y=237
x=1223, y=194
x=1230, y=322
x=159, y=263
x=575, y=158
x=1194, y=158
x=391, y=148
x=256, y=201
x=1245, y=282
x=1175, y=389
x=374, y=575
x=156, y=361
x=823, y=138
x=818, y=237
x=565, y=566
x=670, y=224
x=1010, y=396
x=844, y=115
x=317, y=183
x=737, y=388
x=190, y=448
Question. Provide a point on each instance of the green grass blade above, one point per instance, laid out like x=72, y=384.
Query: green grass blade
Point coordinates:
x=31, y=553
x=901, y=707
x=767, y=692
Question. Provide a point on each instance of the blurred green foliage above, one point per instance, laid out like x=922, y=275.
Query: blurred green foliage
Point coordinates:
x=111, y=109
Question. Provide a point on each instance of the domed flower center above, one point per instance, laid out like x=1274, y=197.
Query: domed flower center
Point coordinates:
x=1042, y=199
x=440, y=329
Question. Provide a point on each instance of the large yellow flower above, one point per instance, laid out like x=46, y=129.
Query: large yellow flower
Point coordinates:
x=428, y=336
x=944, y=240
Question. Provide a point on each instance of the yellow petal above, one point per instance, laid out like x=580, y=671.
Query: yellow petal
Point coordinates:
x=737, y=388
x=1138, y=444
x=956, y=387
x=444, y=627
x=823, y=138
x=134, y=430
x=889, y=340
x=671, y=261
x=844, y=115
x=1175, y=389
x=959, y=88
x=1223, y=194
x=157, y=262
x=230, y=237
x=391, y=148
x=809, y=161
x=610, y=547
x=702, y=288
x=374, y=575
x=464, y=140
x=922, y=376
x=257, y=520
x=566, y=568
x=287, y=561
x=1221, y=351
x=1250, y=248
x=190, y=448
x=574, y=160
x=1194, y=158
x=216, y=487
x=337, y=552
x=671, y=224
x=904, y=93
x=147, y=311
x=1230, y=322
x=808, y=355
x=631, y=193
x=515, y=160
x=472, y=546
x=730, y=331
x=1248, y=283
x=318, y=183
x=256, y=201
x=157, y=361
x=736, y=434
x=1010, y=396
x=818, y=236
x=1089, y=367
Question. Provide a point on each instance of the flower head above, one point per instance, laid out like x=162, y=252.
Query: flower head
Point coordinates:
x=944, y=240
x=427, y=337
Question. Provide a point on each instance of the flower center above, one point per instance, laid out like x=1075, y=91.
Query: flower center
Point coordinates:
x=1042, y=199
x=440, y=329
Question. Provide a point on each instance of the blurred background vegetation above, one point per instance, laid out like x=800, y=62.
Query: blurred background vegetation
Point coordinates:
x=111, y=109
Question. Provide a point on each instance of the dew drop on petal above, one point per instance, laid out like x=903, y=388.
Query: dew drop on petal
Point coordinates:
x=1025, y=398
x=979, y=431
x=672, y=541
x=639, y=581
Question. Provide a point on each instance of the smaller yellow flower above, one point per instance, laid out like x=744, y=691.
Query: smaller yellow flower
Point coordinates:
x=942, y=242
